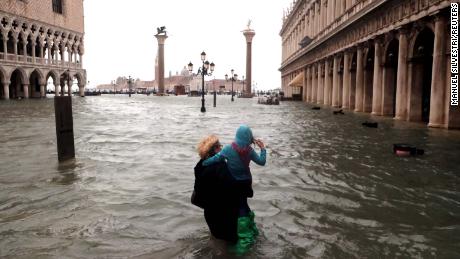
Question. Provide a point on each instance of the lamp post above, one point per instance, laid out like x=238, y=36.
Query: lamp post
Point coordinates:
x=233, y=78
x=129, y=85
x=203, y=71
x=242, y=88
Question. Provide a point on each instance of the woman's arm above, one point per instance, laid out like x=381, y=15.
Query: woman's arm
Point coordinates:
x=219, y=157
x=259, y=159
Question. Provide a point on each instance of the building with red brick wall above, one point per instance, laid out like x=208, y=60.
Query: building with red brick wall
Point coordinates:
x=39, y=40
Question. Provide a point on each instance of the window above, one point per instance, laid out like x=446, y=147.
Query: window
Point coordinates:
x=57, y=6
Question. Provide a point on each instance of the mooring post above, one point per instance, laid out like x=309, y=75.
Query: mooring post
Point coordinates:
x=64, y=127
x=215, y=96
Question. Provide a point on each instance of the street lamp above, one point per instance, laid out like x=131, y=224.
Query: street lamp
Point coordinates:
x=233, y=78
x=129, y=85
x=203, y=71
x=242, y=90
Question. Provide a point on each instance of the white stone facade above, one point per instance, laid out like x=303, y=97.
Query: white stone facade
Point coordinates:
x=385, y=57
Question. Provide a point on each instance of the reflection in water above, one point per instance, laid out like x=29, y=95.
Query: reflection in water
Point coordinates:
x=67, y=173
x=331, y=188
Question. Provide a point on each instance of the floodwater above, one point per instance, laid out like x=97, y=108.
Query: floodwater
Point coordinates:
x=330, y=189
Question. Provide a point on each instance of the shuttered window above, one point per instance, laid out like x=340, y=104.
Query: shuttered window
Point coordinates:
x=57, y=6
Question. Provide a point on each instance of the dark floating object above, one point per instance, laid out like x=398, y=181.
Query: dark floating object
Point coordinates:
x=338, y=112
x=370, y=124
x=316, y=108
x=407, y=150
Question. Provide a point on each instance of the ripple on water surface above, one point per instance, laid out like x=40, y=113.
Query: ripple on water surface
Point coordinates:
x=331, y=188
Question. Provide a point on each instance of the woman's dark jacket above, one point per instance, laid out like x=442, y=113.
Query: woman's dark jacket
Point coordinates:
x=219, y=194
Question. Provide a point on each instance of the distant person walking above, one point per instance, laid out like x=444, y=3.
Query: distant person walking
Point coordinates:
x=238, y=156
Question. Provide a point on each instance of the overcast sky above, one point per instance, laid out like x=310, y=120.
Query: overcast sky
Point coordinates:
x=119, y=37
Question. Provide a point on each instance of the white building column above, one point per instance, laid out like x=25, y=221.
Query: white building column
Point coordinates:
x=33, y=50
x=56, y=89
x=327, y=82
x=438, y=93
x=15, y=43
x=335, y=82
x=359, y=104
x=82, y=90
x=306, y=84
x=401, y=77
x=6, y=90
x=377, y=84
x=346, y=80
x=25, y=88
x=5, y=46
x=42, y=90
x=320, y=85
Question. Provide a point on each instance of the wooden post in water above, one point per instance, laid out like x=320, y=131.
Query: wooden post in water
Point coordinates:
x=64, y=127
x=215, y=96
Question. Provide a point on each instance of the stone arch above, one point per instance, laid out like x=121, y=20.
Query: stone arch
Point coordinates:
x=51, y=81
x=80, y=79
x=414, y=36
x=53, y=74
x=65, y=78
x=36, y=80
x=17, y=78
x=420, y=75
x=10, y=42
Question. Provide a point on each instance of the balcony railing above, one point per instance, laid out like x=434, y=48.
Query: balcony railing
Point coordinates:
x=30, y=60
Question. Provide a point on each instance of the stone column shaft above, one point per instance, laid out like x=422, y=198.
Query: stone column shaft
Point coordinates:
x=50, y=61
x=314, y=83
x=161, y=62
x=26, y=90
x=438, y=93
x=359, y=107
x=41, y=52
x=320, y=88
x=6, y=90
x=327, y=83
x=335, y=82
x=249, y=35
x=401, y=81
x=310, y=83
x=42, y=91
x=24, y=49
x=81, y=88
x=5, y=48
x=56, y=89
x=15, y=42
x=346, y=80
x=69, y=87
x=377, y=82
x=307, y=83
x=33, y=51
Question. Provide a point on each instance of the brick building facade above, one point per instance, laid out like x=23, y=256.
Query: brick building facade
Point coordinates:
x=39, y=40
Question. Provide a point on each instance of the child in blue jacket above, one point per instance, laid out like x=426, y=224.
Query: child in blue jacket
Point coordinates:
x=238, y=156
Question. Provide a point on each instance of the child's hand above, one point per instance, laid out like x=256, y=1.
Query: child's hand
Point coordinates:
x=259, y=143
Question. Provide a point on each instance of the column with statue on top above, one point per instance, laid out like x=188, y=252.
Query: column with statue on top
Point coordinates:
x=248, y=34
